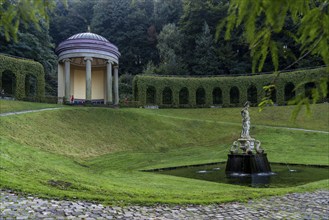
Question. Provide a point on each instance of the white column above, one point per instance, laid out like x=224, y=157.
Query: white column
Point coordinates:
x=88, y=78
x=67, y=80
x=109, y=89
x=116, y=85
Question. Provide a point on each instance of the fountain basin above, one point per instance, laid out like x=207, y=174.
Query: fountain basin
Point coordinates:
x=247, y=164
x=282, y=175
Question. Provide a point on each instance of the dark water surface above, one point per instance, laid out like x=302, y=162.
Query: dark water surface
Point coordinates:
x=281, y=176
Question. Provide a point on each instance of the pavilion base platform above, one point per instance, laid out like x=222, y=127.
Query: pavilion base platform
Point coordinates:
x=94, y=102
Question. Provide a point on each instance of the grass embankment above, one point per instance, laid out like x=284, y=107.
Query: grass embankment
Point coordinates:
x=16, y=106
x=96, y=153
x=270, y=116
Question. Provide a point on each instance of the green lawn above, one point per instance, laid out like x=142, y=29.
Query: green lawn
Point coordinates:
x=10, y=106
x=273, y=116
x=97, y=153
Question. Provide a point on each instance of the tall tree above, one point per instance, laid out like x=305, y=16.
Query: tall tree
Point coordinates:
x=195, y=13
x=128, y=24
x=170, y=47
x=167, y=12
x=206, y=59
x=70, y=20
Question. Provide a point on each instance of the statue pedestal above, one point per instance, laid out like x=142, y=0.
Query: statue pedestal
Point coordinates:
x=247, y=164
x=247, y=144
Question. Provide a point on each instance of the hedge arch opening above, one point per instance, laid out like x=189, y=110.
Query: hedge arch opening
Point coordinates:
x=271, y=93
x=234, y=95
x=8, y=82
x=150, y=95
x=327, y=92
x=30, y=85
x=183, y=96
x=200, y=96
x=217, y=96
x=252, y=94
x=136, y=92
x=308, y=89
x=289, y=91
x=167, y=96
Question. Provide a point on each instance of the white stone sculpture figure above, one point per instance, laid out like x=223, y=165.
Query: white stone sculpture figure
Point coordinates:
x=235, y=147
x=245, y=121
x=258, y=148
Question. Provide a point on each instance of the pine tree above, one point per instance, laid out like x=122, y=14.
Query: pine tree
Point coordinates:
x=206, y=59
x=170, y=49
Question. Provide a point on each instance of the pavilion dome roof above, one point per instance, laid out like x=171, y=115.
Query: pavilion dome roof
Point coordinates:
x=88, y=35
x=87, y=44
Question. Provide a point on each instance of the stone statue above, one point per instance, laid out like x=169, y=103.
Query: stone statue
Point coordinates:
x=245, y=121
x=247, y=144
x=235, y=147
x=258, y=148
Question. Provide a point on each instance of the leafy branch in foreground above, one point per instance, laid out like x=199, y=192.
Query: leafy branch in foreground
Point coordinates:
x=263, y=19
x=16, y=12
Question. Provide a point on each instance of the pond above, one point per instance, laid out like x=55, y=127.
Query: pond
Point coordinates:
x=281, y=176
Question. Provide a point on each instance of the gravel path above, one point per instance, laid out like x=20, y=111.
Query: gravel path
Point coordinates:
x=26, y=111
x=313, y=205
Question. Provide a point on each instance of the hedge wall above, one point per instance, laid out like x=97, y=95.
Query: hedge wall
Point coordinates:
x=141, y=84
x=21, y=68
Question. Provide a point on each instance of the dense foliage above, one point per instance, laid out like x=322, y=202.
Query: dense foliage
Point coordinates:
x=25, y=12
x=264, y=20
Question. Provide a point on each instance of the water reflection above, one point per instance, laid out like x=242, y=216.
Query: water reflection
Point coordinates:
x=282, y=175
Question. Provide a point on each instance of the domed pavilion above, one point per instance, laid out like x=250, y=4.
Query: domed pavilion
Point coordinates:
x=86, y=62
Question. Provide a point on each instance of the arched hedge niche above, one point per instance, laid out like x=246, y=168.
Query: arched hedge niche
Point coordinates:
x=289, y=91
x=8, y=82
x=327, y=91
x=200, y=96
x=150, y=95
x=252, y=94
x=167, y=96
x=271, y=93
x=217, y=96
x=308, y=89
x=183, y=96
x=234, y=95
x=135, y=92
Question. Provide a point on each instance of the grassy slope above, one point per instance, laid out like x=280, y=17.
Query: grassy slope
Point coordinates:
x=273, y=116
x=10, y=106
x=100, y=152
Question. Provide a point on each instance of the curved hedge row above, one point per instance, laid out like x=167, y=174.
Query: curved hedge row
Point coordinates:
x=21, y=68
x=233, y=91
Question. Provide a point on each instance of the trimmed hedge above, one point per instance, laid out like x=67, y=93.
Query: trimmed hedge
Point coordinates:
x=21, y=68
x=142, y=83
